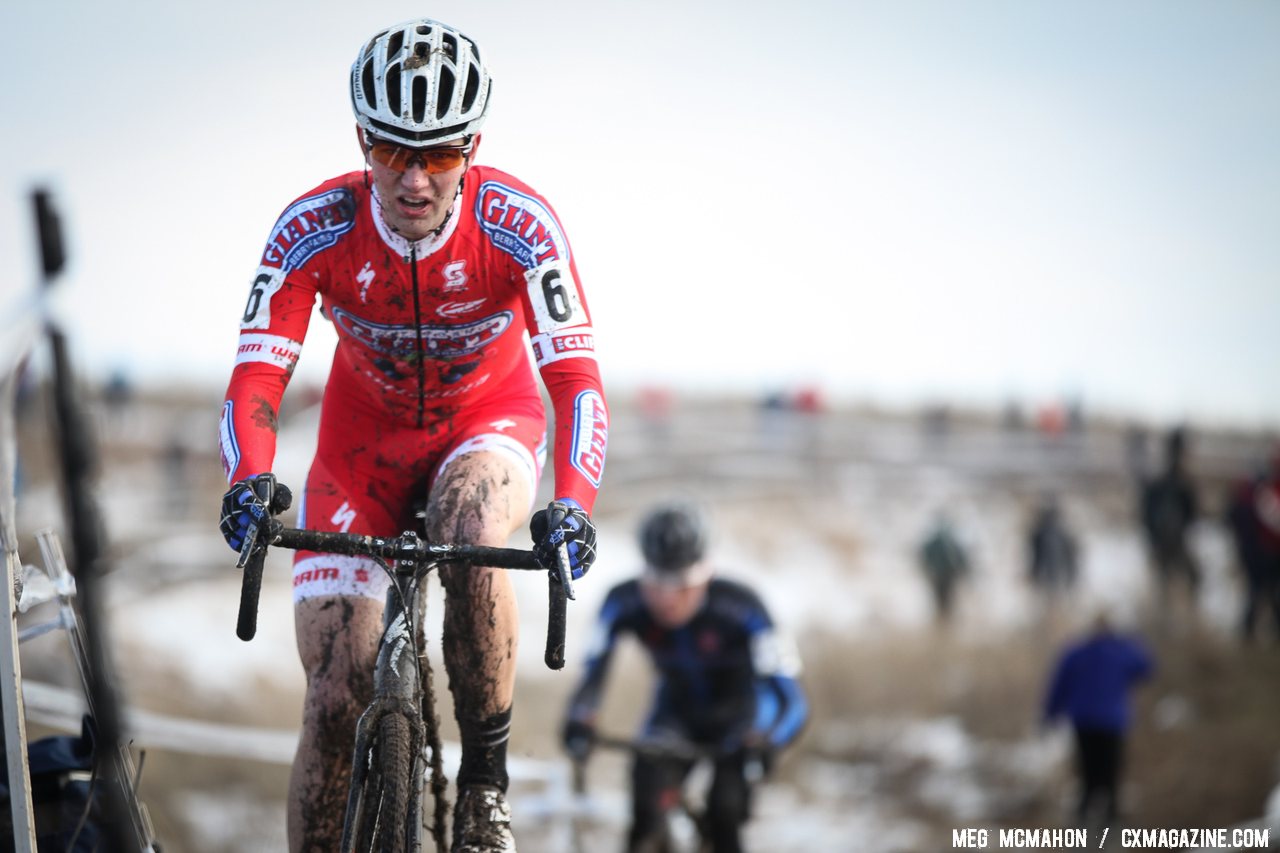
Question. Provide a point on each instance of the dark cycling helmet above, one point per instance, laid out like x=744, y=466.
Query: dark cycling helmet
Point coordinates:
x=673, y=537
x=420, y=83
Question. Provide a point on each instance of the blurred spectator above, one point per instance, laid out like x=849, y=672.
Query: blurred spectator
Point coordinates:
x=792, y=419
x=1267, y=509
x=945, y=563
x=1012, y=418
x=1135, y=452
x=118, y=391
x=1090, y=688
x=656, y=404
x=175, y=464
x=1261, y=576
x=937, y=422
x=808, y=400
x=1169, y=506
x=1053, y=566
x=1075, y=422
x=1051, y=420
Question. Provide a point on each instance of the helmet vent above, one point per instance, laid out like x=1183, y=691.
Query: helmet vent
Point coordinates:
x=419, y=98
x=450, y=46
x=366, y=83
x=394, y=44
x=473, y=87
x=444, y=97
x=422, y=30
x=393, y=89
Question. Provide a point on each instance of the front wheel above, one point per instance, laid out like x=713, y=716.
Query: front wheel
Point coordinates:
x=381, y=815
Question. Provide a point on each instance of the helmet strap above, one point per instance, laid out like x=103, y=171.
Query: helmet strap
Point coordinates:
x=449, y=214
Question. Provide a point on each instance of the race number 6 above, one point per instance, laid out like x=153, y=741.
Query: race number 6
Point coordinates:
x=554, y=297
x=257, y=311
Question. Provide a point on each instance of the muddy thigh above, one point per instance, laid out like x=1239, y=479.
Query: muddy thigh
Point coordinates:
x=480, y=499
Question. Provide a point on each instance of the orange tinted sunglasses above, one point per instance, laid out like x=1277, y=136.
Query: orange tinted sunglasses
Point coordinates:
x=399, y=158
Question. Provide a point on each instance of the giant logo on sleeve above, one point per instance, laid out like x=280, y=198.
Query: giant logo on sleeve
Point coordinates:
x=308, y=226
x=590, y=435
x=520, y=225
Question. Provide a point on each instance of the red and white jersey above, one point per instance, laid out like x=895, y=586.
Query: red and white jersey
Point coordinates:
x=425, y=328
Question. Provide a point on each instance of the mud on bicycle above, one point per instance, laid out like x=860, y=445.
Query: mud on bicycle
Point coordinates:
x=397, y=741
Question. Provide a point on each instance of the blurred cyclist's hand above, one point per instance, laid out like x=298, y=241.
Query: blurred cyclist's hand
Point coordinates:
x=564, y=520
x=578, y=738
x=758, y=755
x=241, y=507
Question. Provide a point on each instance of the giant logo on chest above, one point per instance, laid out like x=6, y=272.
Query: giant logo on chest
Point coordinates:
x=308, y=226
x=401, y=341
x=520, y=225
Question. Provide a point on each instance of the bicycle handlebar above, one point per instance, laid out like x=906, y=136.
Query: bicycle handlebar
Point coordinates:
x=252, y=559
x=682, y=750
x=407, y=547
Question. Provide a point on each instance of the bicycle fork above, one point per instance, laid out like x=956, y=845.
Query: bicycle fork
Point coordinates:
x=397, y=690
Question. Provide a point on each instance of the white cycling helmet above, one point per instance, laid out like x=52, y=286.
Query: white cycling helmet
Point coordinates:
x=420, y=83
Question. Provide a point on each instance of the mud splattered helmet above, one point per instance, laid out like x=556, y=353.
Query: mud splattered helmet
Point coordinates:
x=420, y=83
x=673, y=538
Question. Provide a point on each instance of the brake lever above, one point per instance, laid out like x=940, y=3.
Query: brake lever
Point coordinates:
x=246, y=548
x=563, y=572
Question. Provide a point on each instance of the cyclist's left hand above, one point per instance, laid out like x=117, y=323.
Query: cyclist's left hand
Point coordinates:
x=564, y=521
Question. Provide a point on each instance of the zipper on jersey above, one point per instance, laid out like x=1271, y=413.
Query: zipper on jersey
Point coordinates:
x=417, y=331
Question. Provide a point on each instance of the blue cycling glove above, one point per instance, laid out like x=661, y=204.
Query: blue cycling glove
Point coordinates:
x=241, y=507
x=564, y=520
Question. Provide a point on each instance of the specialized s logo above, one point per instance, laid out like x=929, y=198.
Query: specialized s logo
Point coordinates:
x=308, y=226
x=365, y=277
x=520, y=225
x=590, y=435
x=437, y=341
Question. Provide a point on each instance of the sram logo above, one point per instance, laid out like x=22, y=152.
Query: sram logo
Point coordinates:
x=309, y=225
x=520, y=225
x=437, y=341
x=590, y=435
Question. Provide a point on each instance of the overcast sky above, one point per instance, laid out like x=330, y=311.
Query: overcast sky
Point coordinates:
x=895, y=200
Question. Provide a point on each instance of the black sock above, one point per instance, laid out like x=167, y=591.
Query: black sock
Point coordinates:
x=484, y=751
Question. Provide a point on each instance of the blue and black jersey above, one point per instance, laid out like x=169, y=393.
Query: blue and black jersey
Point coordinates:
x=722, y=675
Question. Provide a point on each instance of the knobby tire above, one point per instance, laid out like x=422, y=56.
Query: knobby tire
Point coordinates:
x=384, y=822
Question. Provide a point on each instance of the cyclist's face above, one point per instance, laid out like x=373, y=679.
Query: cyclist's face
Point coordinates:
x=416, y=200
x=672, y=606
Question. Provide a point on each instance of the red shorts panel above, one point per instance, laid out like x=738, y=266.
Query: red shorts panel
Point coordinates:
x=369, y=476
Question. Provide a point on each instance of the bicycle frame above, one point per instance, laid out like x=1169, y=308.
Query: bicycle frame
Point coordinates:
x=399, y=691
x=683, y=824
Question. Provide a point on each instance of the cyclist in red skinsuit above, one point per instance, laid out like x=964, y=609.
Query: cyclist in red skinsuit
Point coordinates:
x=432, y=269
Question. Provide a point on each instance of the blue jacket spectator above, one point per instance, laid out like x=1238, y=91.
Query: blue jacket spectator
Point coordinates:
x=1090, y=687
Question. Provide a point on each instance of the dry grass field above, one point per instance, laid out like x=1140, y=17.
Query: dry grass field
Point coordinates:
x=916, y=728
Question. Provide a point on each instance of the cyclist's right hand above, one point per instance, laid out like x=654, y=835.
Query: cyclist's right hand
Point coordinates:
x=242, y=507
x=578, y=738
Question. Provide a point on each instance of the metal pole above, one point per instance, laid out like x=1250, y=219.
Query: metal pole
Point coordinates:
x=15, y=718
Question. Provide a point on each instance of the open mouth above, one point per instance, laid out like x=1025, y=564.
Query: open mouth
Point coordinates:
x=413, y=205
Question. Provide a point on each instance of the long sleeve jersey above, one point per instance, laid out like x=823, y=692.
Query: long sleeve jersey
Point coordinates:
x=425, y=328
x=724, y=673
